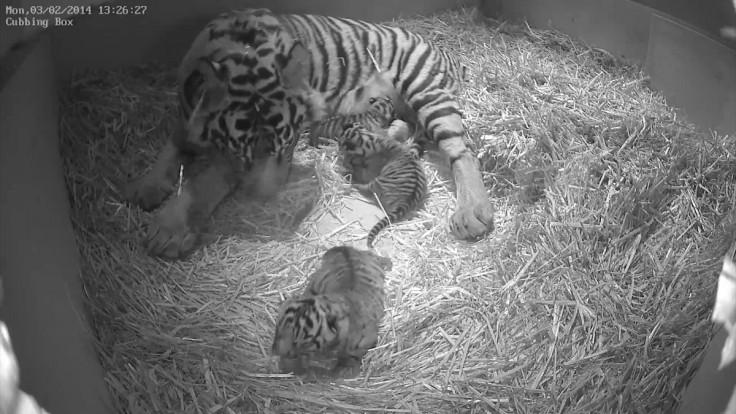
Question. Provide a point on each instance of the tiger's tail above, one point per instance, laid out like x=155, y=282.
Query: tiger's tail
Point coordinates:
x=398, y=213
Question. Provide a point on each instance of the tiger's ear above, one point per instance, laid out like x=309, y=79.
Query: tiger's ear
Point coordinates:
x=295, y=73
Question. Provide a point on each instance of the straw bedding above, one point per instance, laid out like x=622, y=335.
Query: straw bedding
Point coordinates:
x=593, y=294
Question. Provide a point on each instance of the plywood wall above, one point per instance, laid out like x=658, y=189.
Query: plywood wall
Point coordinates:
x=692, y=66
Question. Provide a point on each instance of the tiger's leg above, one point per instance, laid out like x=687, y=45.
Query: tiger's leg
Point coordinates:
x=349, y=360
x=150, y=190
x=176, y=228
x=473, y=217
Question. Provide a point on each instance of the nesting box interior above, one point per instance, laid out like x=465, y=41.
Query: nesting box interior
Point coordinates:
x=607, y=147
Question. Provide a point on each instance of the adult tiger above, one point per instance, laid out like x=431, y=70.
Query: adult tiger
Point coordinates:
x=309, y=52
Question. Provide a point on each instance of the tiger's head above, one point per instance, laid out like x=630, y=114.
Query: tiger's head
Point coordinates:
x=308, y=325
x=384, y=106
x=221, y=115
x=248, y=104
x=350, y=138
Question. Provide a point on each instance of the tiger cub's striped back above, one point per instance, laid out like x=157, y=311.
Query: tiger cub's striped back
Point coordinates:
x=401, y=186
x=339, y=310
x=377, y=118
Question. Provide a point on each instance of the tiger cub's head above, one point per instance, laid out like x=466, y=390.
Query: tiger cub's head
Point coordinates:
x=384, y=106
x=351, y=129
x=353, y=135
x=308, y=325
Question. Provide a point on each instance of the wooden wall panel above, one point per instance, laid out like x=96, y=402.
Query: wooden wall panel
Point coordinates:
x=38, y=255
x=693, y=68
x=167, y=28
x=695, y=73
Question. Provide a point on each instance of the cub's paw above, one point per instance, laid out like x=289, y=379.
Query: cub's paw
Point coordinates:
x=314, y=141
x=175, y=230
x=347, y=366
x=346, y=371
x=363, y=188
x=320, y=142
x=473, y=221
x=294, y=365
x=147, y=192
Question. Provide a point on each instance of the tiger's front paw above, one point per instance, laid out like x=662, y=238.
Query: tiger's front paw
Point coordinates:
x=294, y=365
x=174, y=231
x=473, y=221
x=148, y=192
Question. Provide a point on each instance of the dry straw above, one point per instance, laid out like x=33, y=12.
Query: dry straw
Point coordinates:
x=592, y=296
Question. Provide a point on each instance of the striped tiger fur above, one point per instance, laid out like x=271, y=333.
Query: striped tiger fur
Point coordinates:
x=377, y=118
x=401, y=186
x=294, y=70
x=339, y=310
x=425, y=77
x=249, y=123
x=363, y=168
x=377, y=84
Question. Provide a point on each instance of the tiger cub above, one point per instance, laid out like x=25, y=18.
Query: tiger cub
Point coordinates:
x=339, y=310
x=379, y=117
x=379, y=84
x=401, y=186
